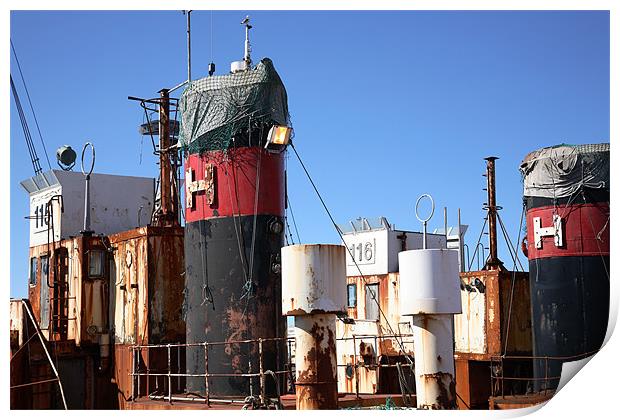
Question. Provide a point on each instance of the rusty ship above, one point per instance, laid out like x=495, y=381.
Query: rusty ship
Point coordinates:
x=176, y=294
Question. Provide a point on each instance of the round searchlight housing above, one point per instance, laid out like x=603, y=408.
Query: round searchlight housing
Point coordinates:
x=65, y=156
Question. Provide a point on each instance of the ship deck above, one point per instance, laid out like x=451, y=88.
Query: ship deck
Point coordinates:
x=345, y=401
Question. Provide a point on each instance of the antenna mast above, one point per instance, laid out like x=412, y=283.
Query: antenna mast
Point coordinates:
x=248, y=48
x=189, y=49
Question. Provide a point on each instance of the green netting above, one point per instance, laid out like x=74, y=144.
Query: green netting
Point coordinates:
x=215, y=109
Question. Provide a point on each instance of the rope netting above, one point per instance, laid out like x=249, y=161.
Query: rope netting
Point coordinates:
x=217, y=110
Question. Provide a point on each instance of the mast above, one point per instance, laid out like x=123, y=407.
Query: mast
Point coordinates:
x=493, y=263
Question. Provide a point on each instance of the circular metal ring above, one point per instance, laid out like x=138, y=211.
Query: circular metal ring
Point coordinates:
x=417, y=203
x=92, y=164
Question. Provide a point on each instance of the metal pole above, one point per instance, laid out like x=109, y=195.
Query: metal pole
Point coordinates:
x=247, y=47
x=133, y=374
x=189, y=49
x=86, y=230
x=461, y=245
x=492, y=210
x=546, y=372
x=138, y=353
x=207, y=372
x=502, y=377
x=290, y=365
x=357, y=385
x=169, y=377
x=424, y=220
x=168, y=202
x=445, y=224
x=87, y=205
x=251, y=384
x=261, y=371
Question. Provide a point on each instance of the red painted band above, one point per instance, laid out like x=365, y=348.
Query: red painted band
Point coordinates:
x=234, y=191
x=585, y=231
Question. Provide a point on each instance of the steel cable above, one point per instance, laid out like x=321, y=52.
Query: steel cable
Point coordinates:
x=372, y=294
x=31, y=107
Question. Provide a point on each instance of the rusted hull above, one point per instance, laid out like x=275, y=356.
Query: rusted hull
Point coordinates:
x=227, y=301
x=316, y=387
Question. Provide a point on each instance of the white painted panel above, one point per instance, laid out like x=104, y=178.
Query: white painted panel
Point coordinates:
x=116, y=203
x=40, y=224
x=370, y=250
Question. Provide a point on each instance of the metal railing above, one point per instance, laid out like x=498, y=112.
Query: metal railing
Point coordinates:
x=540, y=383
x=154, y=376
x=373, y=363
x=163, y=379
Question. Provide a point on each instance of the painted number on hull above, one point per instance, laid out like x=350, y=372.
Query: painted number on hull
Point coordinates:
x=41, y=214
x=362, y=252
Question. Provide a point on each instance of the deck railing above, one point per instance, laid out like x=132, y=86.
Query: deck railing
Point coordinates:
x=170, y=373
x=500, y=382
x=144, y=375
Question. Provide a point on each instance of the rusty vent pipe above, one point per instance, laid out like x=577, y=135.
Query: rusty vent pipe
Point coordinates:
x=313, y=291
x=493, y=262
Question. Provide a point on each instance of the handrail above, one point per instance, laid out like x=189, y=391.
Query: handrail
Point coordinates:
x=498, y=378
x=259, y=372
x=49, y=358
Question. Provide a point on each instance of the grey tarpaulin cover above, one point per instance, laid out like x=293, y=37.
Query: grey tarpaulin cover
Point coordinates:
x=562, y=170
x=216, y=108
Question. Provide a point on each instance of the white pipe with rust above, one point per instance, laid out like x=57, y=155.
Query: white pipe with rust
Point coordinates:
x=313, y=291
x=430, y=292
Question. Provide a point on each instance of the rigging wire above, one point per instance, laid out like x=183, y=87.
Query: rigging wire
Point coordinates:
x=29, y=144
x=512, y=285
x=597, y=238
x=248, y=284
x=512, y=250
x=293, y=217
x=211, y=36
x=290, y=241
x=31, y=107
x=372, y=293
x=238, y=235
x=486, y=219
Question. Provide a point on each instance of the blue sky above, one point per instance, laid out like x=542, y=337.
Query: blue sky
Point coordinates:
x=385, y=105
